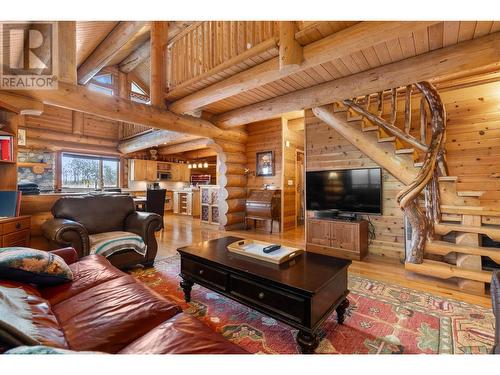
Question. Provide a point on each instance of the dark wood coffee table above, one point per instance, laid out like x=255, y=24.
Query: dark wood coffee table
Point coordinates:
x=302, y=292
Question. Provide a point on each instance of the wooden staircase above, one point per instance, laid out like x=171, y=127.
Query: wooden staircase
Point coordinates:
x=452, y=250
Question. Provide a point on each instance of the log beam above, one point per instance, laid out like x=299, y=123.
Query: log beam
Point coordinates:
x=136, y=57
x=20, y=104
x=196, y=144
x=454, y=60
x=342, y=43
x=80, y=98
x=290, y=53
x=108, y=48
x=152, y=139
x=157, y=82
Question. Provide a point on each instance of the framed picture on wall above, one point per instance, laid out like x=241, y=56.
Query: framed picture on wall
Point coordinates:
x=265, y=164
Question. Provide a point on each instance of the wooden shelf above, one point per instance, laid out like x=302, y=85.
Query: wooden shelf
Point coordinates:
x=4, y=132
x=7, y=162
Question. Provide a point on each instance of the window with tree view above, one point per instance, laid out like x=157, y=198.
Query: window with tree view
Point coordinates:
x=83, y=172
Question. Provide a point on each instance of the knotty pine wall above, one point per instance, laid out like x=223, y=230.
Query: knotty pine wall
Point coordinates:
x=472, y=147
x=264, y=136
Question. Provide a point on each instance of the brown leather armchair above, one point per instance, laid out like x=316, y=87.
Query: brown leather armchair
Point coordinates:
x=76, y=219
x=495, y=302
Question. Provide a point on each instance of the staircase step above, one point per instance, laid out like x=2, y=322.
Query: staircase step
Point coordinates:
x=448, y=179
x=405, y=151
x=443, y=248
x=339, y=107
x=387, y=139
x=418, y=164
x=447, y=271
x=491, y=231
x=369, y=128
x=476, y=194
x=469, y=210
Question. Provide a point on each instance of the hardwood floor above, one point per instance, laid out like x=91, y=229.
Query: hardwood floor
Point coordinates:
x=184, y=230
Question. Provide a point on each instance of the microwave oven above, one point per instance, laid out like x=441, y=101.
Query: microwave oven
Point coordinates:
x=164, y=176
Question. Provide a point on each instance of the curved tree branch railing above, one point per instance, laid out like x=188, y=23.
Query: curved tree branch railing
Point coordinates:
x=434, y=164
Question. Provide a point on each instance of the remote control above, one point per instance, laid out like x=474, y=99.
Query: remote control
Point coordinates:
x=271, y=248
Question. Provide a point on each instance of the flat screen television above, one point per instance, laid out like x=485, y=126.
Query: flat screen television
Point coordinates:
x=351, y=191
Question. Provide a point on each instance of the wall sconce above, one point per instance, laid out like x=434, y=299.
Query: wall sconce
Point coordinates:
x=287, y=144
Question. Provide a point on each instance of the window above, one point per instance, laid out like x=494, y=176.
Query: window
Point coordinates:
x=80, y=172
x=102, y=83
x=137, y=94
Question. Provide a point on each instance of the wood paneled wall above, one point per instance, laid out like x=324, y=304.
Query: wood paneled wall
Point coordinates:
x=292, y=141
x=264, y=136
x=208, y=44
x=472, y=147
x=326, y=149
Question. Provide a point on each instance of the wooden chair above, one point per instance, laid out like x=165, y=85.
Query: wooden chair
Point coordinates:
x=155, y=202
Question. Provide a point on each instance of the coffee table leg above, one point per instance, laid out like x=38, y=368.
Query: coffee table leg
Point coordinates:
x=186, y=285
x=308, y=342
x=341, y=310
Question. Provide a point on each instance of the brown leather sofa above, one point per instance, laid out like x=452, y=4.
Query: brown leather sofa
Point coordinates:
x=495, y=302
x=104, y=309
x=75, y=218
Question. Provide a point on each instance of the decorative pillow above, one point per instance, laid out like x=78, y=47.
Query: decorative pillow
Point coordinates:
x=33, y=266
x=40, y=349
x=108, y=243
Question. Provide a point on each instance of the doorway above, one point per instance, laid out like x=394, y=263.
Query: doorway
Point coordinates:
x=300, y=191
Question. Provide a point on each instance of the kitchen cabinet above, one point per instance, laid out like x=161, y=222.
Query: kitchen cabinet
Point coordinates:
x=187, y=203
x=142, y=170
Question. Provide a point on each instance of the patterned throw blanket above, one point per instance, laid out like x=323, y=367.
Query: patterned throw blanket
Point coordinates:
x=16, y=319
x=106, y=244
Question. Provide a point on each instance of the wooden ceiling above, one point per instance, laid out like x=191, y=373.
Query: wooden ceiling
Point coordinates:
x=434, y=37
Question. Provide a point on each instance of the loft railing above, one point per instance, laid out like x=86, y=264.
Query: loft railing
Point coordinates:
x=434, y=164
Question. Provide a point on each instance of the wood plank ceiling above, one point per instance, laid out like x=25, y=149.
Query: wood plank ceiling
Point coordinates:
x=437, y=36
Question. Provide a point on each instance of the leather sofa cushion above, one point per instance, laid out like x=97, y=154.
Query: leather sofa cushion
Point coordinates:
x=48, y=330
x=96, y=213
x=88, y=272
x=112, y=314
x=182, y=334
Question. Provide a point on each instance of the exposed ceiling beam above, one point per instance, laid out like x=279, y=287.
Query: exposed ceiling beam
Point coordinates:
x=153, y=139
x=20, y=104
x=342, y=43
x=196, y=144
x=135, y=58
x=80, y=98
x=198, y=154
x=457, y=59
x=107, y=49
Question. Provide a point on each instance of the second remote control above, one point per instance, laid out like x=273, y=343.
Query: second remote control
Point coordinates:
x=271, y=248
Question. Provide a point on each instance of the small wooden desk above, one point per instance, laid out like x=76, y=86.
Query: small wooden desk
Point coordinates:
x=302, y=292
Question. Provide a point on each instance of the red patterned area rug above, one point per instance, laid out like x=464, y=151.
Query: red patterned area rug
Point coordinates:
x=381, y=319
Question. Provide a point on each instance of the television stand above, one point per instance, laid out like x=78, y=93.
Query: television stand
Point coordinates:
x=337, y=237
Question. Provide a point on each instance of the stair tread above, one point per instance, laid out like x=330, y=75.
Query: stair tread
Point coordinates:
x=443, y=248
x=490, y=231
x=448, y=178
x=418, y=164
x=470, y=193
x=446, y=271
x=387, y=139
x=471, y=210
x=405, y=151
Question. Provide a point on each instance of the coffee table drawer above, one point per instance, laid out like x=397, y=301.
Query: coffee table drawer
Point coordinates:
x=204, y=273
x=288, y=305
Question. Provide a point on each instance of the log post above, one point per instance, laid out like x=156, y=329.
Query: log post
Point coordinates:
x=77, y=119
x=290, y=52
x=159, y=40
x=67, y=51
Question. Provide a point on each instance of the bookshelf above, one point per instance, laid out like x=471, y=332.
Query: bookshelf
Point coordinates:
x=8, y=138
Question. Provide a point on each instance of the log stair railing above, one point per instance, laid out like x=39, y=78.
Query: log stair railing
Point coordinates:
x=446, y=223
